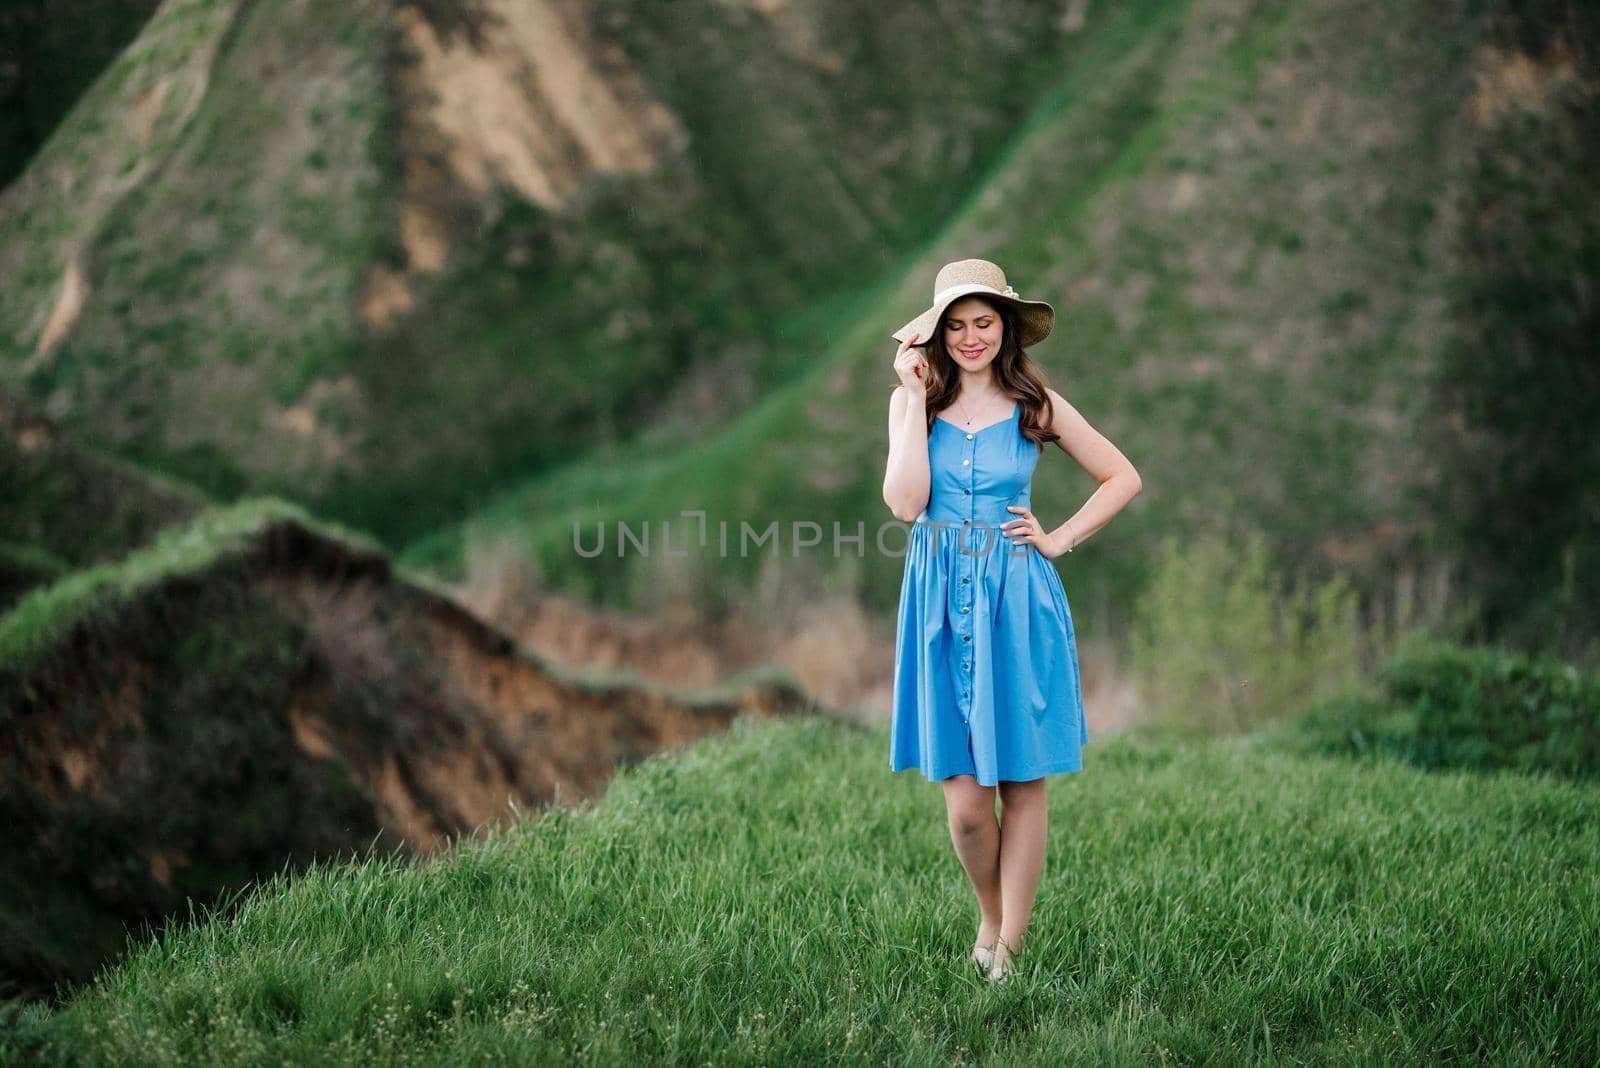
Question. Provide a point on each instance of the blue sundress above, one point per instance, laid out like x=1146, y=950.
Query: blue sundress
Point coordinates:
x=986, y=660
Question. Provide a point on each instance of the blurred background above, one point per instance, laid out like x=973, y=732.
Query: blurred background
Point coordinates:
x=322, y=324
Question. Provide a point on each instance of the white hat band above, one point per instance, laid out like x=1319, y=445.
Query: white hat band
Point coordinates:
x=971, y=287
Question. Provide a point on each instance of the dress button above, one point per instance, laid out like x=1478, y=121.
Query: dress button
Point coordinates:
x=965, y=579
x=965, y=462
x=966, y=637
x=968, y=492
x=964, y=608
x=969, y=437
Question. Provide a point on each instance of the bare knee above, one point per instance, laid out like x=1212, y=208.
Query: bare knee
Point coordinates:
x=969, y=823
x=970, y=806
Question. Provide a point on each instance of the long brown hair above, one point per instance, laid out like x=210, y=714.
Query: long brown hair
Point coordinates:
x=1014, y=372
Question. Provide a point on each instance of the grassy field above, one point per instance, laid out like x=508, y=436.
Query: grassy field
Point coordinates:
x=775, y=895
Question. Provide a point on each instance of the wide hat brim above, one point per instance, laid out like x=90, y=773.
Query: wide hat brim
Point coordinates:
x=1035, y=318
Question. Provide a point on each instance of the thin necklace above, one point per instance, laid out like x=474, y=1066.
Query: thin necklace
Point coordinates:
x=963, y=407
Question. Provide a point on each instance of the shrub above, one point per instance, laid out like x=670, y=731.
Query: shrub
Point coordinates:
x=1447, y=706
x=1219, y=646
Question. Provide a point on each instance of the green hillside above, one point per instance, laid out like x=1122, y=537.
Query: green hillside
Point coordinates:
x=202, y=258
x=1239, y=213
x=1287, y=251
x=68, y=507
x=256, y=690
x=1209, y=903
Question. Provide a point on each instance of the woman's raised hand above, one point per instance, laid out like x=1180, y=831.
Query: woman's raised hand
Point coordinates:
x=912, y=367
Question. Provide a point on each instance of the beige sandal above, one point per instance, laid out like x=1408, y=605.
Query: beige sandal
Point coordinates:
x=1000, y=969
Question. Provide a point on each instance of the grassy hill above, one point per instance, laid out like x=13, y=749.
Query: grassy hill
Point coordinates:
x=1243, y=214
x=70, y=507
x=381, y=258
x=255, y=690
x=283, y=249
x=774, y=895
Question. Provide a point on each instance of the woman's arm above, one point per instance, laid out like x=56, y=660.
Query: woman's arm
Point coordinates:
x=906, y=481
x=1119, y=481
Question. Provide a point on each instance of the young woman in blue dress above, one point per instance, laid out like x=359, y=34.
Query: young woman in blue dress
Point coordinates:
x=963, y=359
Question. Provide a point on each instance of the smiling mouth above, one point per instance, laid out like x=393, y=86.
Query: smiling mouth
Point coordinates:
x=972, y=352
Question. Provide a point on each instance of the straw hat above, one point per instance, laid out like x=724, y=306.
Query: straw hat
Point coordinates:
x=963, y=277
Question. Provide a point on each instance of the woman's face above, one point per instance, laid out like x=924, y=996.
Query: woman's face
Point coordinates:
x=972, y=332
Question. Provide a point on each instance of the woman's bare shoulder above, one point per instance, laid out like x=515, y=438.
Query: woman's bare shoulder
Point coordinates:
x=1056, y=398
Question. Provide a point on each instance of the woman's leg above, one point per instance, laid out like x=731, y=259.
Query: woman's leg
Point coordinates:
x=1023, y=822
x=976, y=834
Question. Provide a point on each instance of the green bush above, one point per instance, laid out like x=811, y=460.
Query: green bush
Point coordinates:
x=1219, y=646
x=1444, y=706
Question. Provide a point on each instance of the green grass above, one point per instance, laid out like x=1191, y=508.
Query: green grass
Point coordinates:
x=774, y=895
x=48, y=610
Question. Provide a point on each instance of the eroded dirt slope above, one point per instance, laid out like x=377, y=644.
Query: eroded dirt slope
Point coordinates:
x=298, y=699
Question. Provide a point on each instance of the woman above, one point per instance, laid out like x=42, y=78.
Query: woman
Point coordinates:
x=986, y=689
